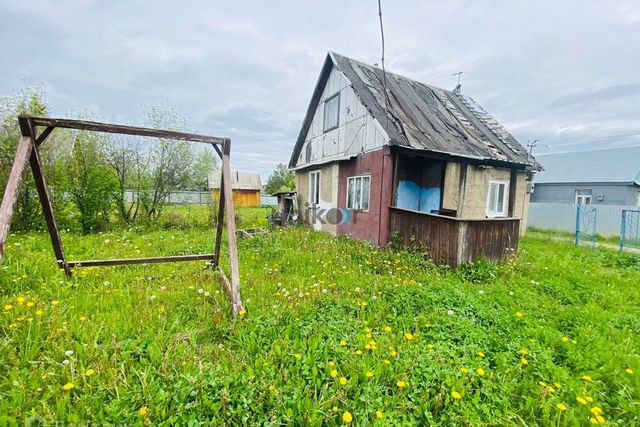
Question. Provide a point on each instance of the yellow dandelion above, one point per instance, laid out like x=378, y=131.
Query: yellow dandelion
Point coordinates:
x=359, y=352
x=343, y=343
x=30, y=304
x=7, y=307
x=542, y=384
x=393, y=353
x=241, y=313
x=480, y=372
x=456, y=395
x=480, y=353
x=464, y=370
x=369, y=374
x=565, y=339
x=39, y=312
x=144, y=411
x=297, y=355
x=561, y=406
x=83, y=318
x=89, y=372
x=430, y=346
x=401, y=384
x=68, y=386
x=55, y=302
x=589, y=399
x=629, y=371
x=519, y=314
x=332, y=363
x=551, y=389
x=343, y=380
x=387, y=329
x=347, y=417
x=596, y=410
x=408, y=336
x=379, y=415
x=333, y=373
x=581, y=400
x=587, y=378
x=524, y=361
x=524, y=352
x=386, y=362
x=20, y=300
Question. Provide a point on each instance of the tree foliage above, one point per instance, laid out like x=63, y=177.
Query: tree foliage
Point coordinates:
x=281, y=180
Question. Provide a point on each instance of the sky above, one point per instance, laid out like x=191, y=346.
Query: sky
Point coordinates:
x=564, y=72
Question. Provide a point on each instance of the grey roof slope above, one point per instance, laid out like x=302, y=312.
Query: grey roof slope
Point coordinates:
x=423, y=117
x=239, y=181
x=619, y=165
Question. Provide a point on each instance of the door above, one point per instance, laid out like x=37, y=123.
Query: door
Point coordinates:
x=314, y=199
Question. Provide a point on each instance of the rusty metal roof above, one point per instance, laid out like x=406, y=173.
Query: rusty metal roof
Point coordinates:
x=423, y=117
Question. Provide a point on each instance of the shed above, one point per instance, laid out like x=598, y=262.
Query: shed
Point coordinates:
x=246, y=188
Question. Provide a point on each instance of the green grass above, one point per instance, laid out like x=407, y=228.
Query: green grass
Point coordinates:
x=161, y=352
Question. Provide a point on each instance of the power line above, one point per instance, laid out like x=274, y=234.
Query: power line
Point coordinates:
x=384, y=71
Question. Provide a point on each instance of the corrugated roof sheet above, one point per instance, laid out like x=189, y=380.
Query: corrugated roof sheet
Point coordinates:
x=424, y=117
x=619, y=165
x=239, y=181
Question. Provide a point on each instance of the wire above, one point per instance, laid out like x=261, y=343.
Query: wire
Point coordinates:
x=384, y=71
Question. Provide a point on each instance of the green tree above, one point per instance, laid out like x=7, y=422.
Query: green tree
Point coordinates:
x=206, y=161
x=27, y=213
x=281, y=179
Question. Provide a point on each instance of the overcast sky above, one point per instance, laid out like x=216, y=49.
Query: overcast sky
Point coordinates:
x=564, y=72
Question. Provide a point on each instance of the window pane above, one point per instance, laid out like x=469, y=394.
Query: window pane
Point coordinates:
x=357, y=193
x=500, y=208
x=365, y=193
x=317, y=198
x=331, y=112
x=492, y=198
x=350, y=193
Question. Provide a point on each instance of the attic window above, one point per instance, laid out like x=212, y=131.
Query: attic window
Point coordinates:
x=331, y=112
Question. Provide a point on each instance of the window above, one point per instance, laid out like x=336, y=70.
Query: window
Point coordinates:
x=638, y=199
x=331, y=112
x=498, y=199
x=314, y=188
x=358, y=193
x=583, y=197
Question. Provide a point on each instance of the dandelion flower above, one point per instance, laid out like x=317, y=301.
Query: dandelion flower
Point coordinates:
x=589, y=399
x=519, y=314
x=343, y=380
x=387, y=329
x=333, y=373
x=581, y=400
x=587, y=378
x=401, y=384
x=332, y=363
x=68, y=386
x=30, y=304
x=551, y=389
x=629, y=371
x=379, y=415
x=55, y=302
x=565, y=339
x=456, y=395
x=481, y=354
x=369, y=374
x=359, y=352
x=241, y=313
x=20, y=300
x=297, y=355
x=464, y=370
x=598, y=419
x=524, y=361
x=89, y=372
x=343, y=343
x=524, y=352
x=144, y=411
x=386, y=362
x=596, y=410
x=393, y=353
x=561, y=406
x=7, y=307
x=83, y=318
x=347, y=417
x=480, y=372
x=408, y=336
x=39, y=312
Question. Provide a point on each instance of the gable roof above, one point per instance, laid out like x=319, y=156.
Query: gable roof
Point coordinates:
x=613, y=165
x=239, y=181
x=421, y=117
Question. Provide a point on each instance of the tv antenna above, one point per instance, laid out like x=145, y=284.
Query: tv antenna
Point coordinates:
x=458, y=87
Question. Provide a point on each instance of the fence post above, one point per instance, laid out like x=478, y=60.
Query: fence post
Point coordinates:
x=577, y=224
x=622, y=227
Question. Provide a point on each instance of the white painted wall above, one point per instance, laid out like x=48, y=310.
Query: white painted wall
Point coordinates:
x=357, y=132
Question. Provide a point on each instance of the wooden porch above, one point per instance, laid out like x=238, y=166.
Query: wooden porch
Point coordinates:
x=454, y=241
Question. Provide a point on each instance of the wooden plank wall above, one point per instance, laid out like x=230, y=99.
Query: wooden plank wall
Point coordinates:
x=454, y=241
x=242, y=198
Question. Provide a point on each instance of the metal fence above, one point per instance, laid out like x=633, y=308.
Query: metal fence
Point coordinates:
x=194, y=198
x=630, y=229
x=562, y=217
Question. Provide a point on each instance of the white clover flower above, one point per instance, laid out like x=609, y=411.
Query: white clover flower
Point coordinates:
x=200, y=291
x=68, y=353
x=191, y=287
x=324, y=290
x=374, y=297
x=511, y=293
x=481, y=292
x=450, y=312
x=152, y=297
x=301, y=295
x=65, y=362
x=206, y=294
x=162, y=288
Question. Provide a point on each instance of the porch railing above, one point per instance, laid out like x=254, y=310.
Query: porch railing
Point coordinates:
x=454, y=241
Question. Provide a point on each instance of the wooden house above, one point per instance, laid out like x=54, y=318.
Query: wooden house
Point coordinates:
x=245, y=188
x=381, y=156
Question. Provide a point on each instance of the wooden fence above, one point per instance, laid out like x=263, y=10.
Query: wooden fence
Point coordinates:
x=454, y=241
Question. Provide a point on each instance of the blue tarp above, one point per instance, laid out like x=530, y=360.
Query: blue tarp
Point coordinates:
x=411, y=196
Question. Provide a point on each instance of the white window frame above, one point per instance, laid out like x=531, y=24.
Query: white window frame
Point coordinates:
x=505, y=202
x=312, y=188
x=584, y=199
x=357, y=205
x=326, y=127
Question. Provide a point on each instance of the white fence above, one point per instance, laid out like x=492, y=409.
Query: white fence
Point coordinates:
x=562, y=217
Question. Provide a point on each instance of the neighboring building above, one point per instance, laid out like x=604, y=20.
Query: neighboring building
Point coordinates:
x=607, y=176
x=246, y=188
x=423, y=153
